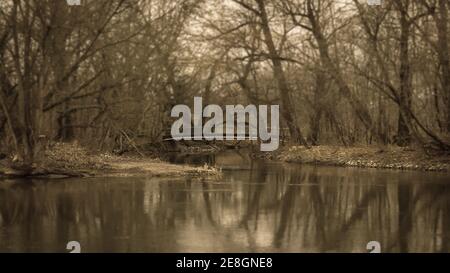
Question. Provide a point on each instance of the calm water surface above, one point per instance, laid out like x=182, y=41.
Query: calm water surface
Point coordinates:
x=256, y=207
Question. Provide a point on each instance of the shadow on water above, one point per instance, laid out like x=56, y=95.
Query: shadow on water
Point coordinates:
x=256, y=207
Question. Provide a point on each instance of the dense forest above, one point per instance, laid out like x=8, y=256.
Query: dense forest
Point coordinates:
x=343, y=72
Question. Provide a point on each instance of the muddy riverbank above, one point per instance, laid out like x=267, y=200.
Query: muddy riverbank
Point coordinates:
x=388, y=157
x=64, y=160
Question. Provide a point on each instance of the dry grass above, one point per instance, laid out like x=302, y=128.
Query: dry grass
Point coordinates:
x=370, y=157
x=70, y=156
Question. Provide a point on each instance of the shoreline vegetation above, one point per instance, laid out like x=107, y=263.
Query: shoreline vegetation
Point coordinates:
x=66, y=160
x=386, y=157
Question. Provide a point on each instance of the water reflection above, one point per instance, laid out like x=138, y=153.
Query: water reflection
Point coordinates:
x=263, y=207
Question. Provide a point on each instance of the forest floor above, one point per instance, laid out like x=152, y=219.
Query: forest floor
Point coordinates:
x=389, y=157
x=70, y=160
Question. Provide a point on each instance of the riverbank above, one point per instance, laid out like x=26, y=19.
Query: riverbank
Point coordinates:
x=389, y=157
x=63, y=160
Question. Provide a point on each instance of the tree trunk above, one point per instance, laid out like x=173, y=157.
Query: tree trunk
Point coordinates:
x=319, y=97
x=444, y=55
x=22, y=63
x=404, y=119
x=287, y=108
x=60, y=61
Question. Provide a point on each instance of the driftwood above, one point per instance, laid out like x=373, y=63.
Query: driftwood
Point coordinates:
x=61, y=173
x=9, y=172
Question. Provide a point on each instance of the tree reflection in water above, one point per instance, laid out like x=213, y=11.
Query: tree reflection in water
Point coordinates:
x=263, y=207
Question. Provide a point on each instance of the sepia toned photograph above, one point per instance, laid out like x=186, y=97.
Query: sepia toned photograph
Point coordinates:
x=225, y=126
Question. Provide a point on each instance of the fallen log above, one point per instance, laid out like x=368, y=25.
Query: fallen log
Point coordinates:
x=8, y=172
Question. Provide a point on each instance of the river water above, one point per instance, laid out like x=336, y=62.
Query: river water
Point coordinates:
x=257, y=206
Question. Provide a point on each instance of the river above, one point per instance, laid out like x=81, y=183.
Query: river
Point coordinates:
x=257, y=206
